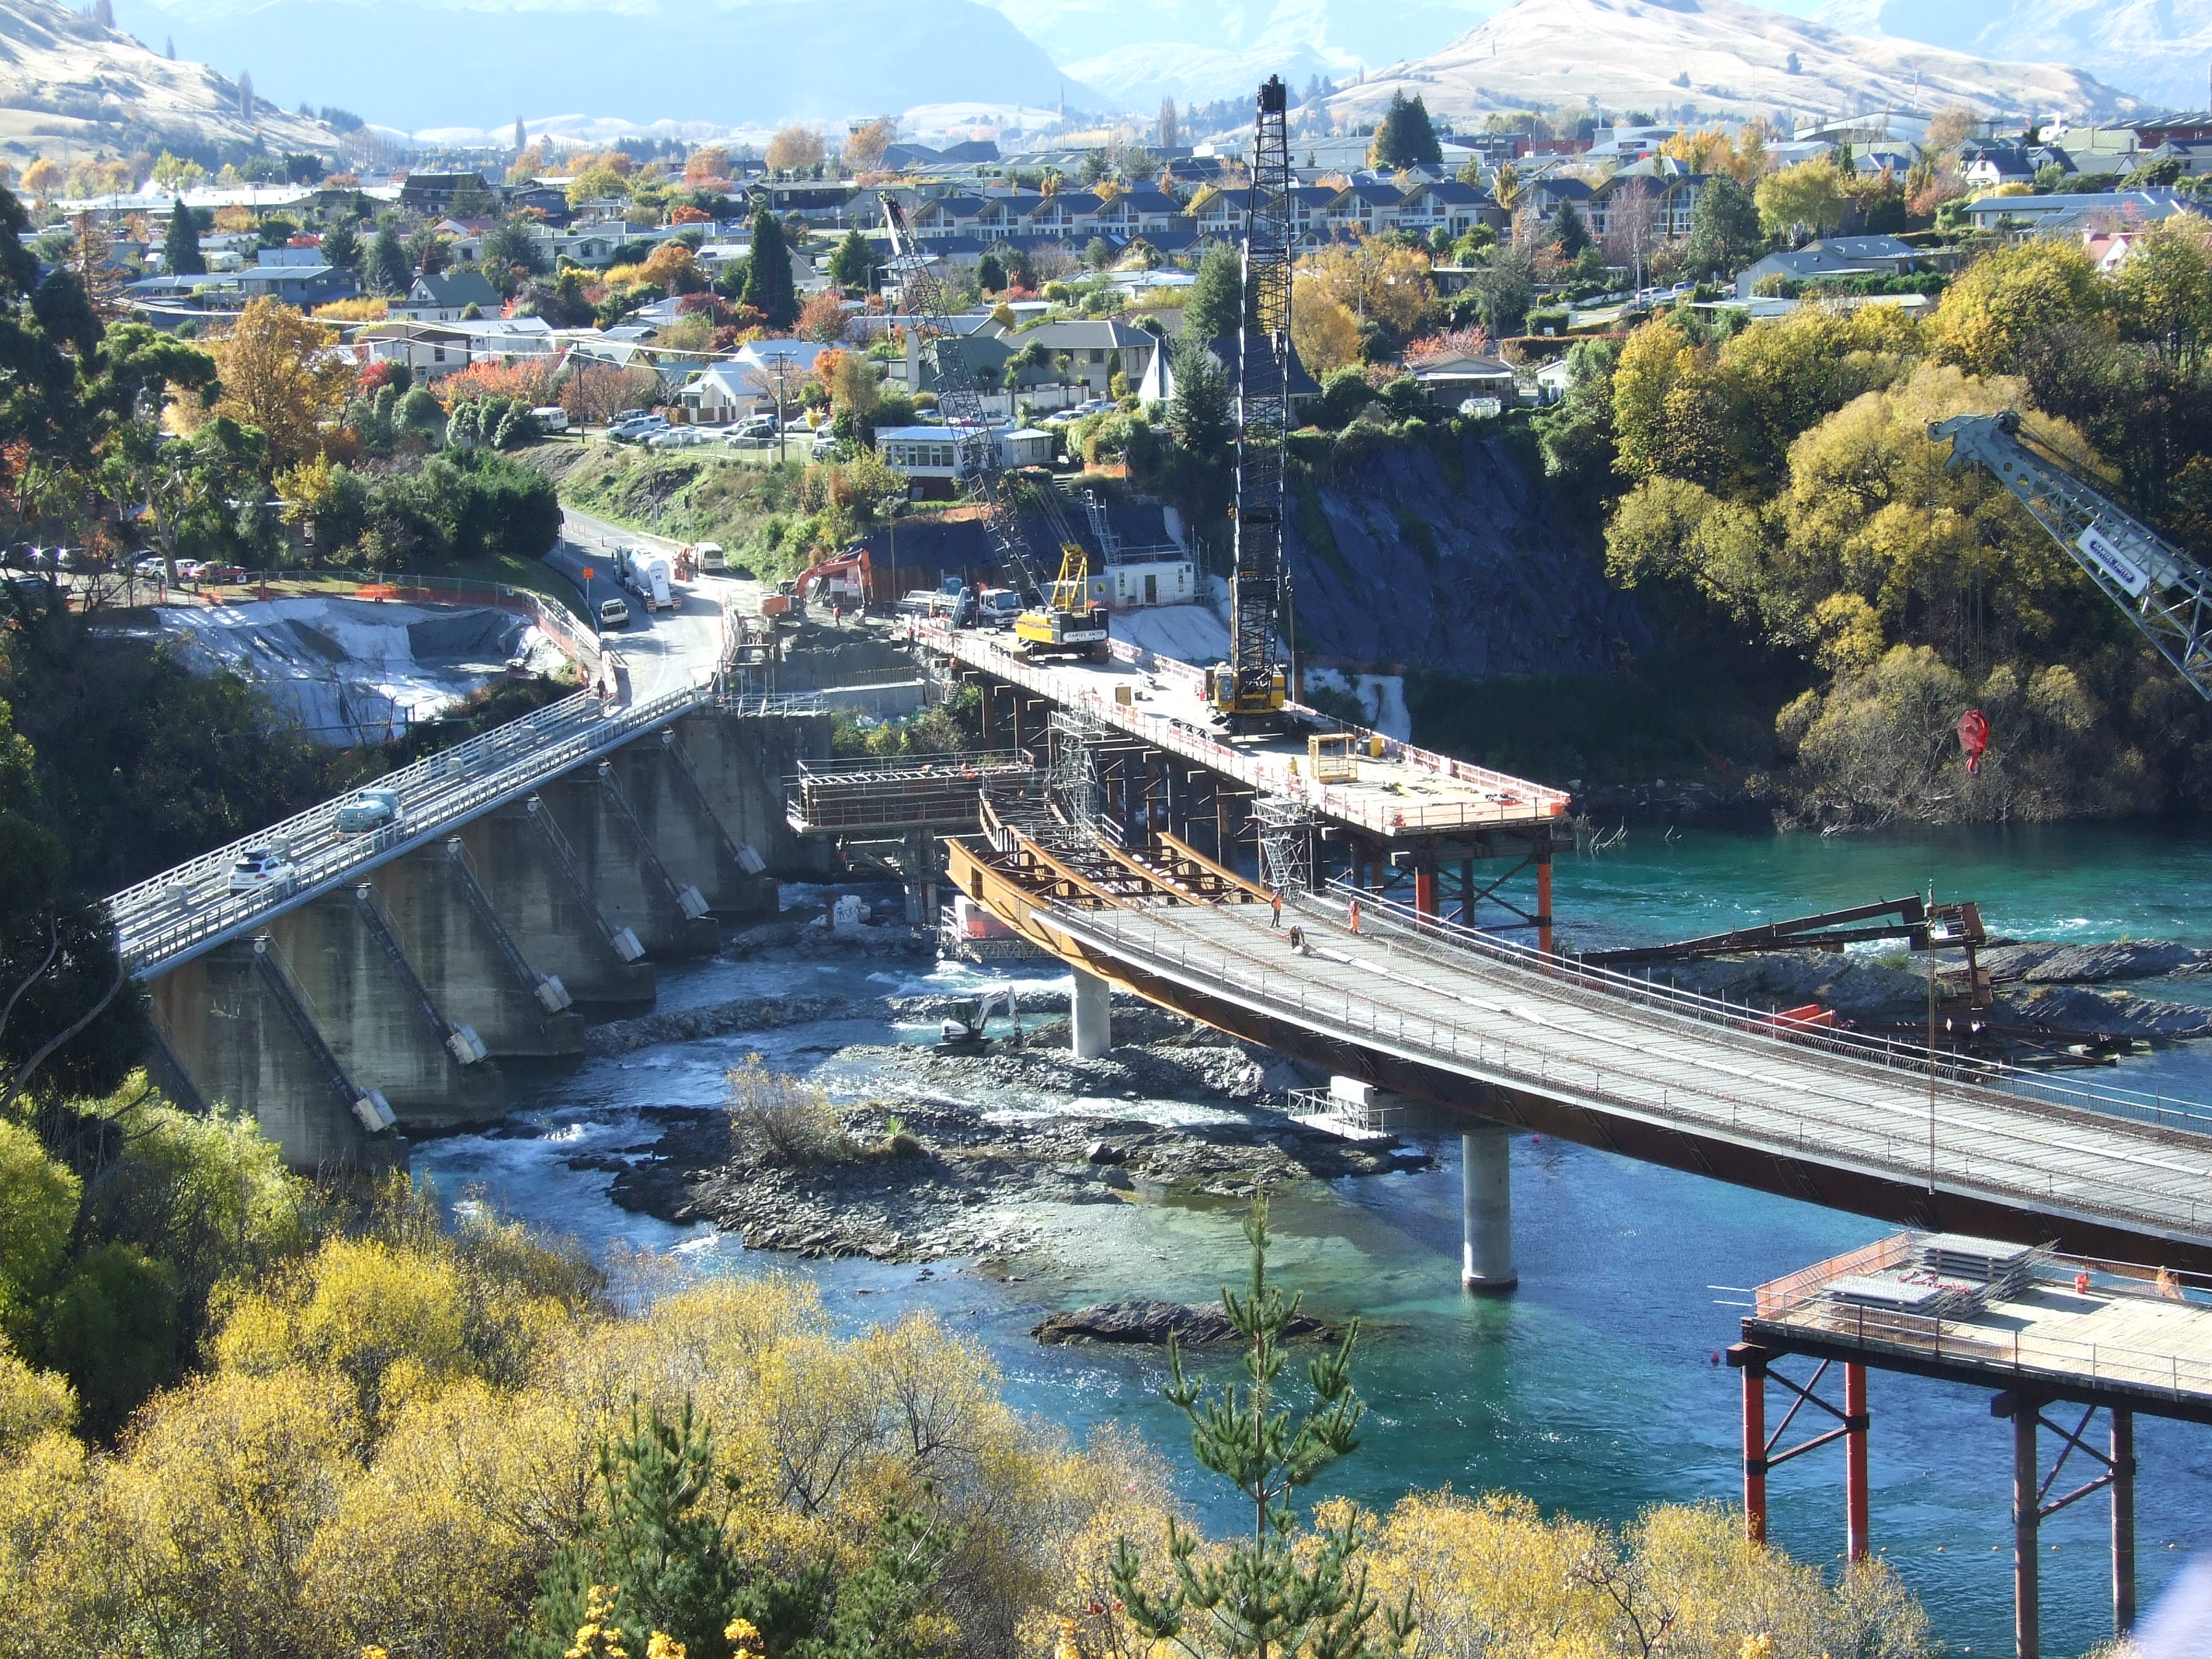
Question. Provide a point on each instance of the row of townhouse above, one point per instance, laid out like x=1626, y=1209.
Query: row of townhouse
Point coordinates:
x=1319, y=213
x=1660, y=198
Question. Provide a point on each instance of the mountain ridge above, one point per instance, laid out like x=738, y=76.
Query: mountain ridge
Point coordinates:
x=2155, y=48
x=1718, y=57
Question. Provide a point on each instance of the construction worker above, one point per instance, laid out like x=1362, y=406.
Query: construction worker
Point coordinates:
x=1298, y=940
x=1274, y=907
x=1351, y=915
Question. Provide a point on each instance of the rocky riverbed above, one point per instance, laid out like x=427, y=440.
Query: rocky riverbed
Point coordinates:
x=988, y=1156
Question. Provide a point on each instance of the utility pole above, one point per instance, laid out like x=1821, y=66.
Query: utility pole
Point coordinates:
x=780, y=377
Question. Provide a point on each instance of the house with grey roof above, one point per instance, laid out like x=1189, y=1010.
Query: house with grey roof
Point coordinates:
x=442, y=298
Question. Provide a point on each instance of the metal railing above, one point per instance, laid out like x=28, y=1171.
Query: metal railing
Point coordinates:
x=1801, y=1301
x=1610, y=987
x=2011, y=1163
x=190, y=908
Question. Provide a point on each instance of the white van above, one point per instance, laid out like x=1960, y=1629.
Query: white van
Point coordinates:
x=711, y=556
x=552, y=418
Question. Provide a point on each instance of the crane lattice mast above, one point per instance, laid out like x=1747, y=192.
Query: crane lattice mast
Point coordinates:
x=1249, y=688
x=2165, y=593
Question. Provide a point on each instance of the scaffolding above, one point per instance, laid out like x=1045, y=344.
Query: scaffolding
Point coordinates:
x=1286, y=843
x=895, y=797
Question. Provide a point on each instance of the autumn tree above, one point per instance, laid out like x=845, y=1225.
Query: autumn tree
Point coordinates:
x=709, y=164
x=822, y=318
x=865, y=144
x=43, y=178
x=793, y=148
x=281, y=377
x=1807, y=197
x=1324, y=334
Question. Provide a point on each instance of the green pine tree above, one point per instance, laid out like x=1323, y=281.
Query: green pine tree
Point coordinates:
x=854, y=263
x=767, y=287
x=1405, y=138
x=1260, y=1601
x=180, y=248
x=341, y=247
x=1725, y=234
x=1210, y=308
x=390, y=270
x=1568, y=230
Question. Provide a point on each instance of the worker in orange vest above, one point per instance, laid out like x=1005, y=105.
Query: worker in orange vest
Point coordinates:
x=1352, y=915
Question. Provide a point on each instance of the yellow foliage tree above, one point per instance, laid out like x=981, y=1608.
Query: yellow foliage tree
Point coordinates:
x=1388, y=284
x=1323, y=331
x=1809, y=196
x=2002, y=310
x=865, y=144
x=794, y=147
x=43, y=178
x=280, y=376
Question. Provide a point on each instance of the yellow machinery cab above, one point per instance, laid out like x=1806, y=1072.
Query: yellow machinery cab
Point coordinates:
x=1067, y=623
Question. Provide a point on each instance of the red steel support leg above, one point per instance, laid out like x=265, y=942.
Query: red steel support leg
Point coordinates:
x=1544, y=902
x=1856, y=1544
x=1425, y=891
x=2026, y=1501
x=1754, y=1449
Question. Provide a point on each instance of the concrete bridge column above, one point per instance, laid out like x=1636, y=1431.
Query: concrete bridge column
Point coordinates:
x=378, y=1019
x=1486, y=1209
x=550, y=913
x=1090, y=1011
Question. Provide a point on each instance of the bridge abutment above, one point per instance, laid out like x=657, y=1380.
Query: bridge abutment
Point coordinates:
x=1486, y=1209
x=742, y=761
x=1090, y=1016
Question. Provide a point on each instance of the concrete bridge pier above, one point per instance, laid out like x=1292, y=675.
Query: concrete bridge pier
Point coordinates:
x=541, y=898
x=1090, y=1016
x=470, y=963
x=1486, y=1209
x=621, y=869
x=662, y=784
x=378, y=1019
x=238, y=1027
x=742, y=761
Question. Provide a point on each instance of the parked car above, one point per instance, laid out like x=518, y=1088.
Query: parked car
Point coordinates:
x=677, y=437
x=372, y=809
x=261, y=869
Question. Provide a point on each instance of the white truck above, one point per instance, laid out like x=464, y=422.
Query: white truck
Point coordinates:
x=645, y=575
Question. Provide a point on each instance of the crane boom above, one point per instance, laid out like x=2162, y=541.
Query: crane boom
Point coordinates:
x=2165, y=593
x=1249, y=688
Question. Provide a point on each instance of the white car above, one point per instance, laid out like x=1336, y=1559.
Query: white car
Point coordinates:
x=677, y=437
x=261, y=869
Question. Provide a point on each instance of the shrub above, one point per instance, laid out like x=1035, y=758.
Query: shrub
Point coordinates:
x=778, y=1119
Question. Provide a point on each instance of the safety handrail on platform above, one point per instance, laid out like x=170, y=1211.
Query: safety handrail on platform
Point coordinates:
x=1912, y=1058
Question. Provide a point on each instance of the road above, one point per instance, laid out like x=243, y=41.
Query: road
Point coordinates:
x=661, y=651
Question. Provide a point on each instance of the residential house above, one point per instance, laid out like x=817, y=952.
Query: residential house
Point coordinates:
x=433, y=350
x=1158, y=384
x=592, y=249
x=1831, y=258
x=1143, y=212
x=1364, y=208
x=1541, y=196
x=298, y=276
x=1989, y=164
x=434, y=192
x=929, y=456
x=1450, y=206
x=2112, y=210
x=1095, y=350
x=536, y=194
x=1450, y=380
x=744, y=383
x=444, y=297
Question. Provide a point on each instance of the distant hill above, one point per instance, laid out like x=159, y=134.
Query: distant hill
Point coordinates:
x=734, y=63
x=1720, y=57
x=68, y=86
x=2156, y=49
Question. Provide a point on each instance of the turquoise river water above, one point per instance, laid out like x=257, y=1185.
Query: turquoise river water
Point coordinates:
x=1595, y=1388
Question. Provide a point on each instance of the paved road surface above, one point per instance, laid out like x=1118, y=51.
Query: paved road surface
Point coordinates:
x=663, y=650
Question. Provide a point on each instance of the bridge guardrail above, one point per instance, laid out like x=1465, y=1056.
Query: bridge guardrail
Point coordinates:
x=1841, y=1136
x=1908, y=1059
x=159, y=919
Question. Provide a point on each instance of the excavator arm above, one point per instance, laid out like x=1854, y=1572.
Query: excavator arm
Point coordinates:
x=2165, y=593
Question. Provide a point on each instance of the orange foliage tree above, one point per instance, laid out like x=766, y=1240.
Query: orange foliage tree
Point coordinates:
x=529, y=381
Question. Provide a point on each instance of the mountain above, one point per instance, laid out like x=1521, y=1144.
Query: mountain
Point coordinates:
x=733, y=63
x=1196, y=51
x=69, y=86
x=2154, y=48
x=1719, y=57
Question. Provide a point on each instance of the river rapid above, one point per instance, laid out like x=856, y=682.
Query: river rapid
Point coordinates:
x=1595, y=1386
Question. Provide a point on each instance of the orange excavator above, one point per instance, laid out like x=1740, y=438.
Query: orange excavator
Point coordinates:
x=849, y=579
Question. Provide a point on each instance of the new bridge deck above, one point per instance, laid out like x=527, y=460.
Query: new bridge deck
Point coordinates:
x=1403, y=792
x=1502, y=1032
